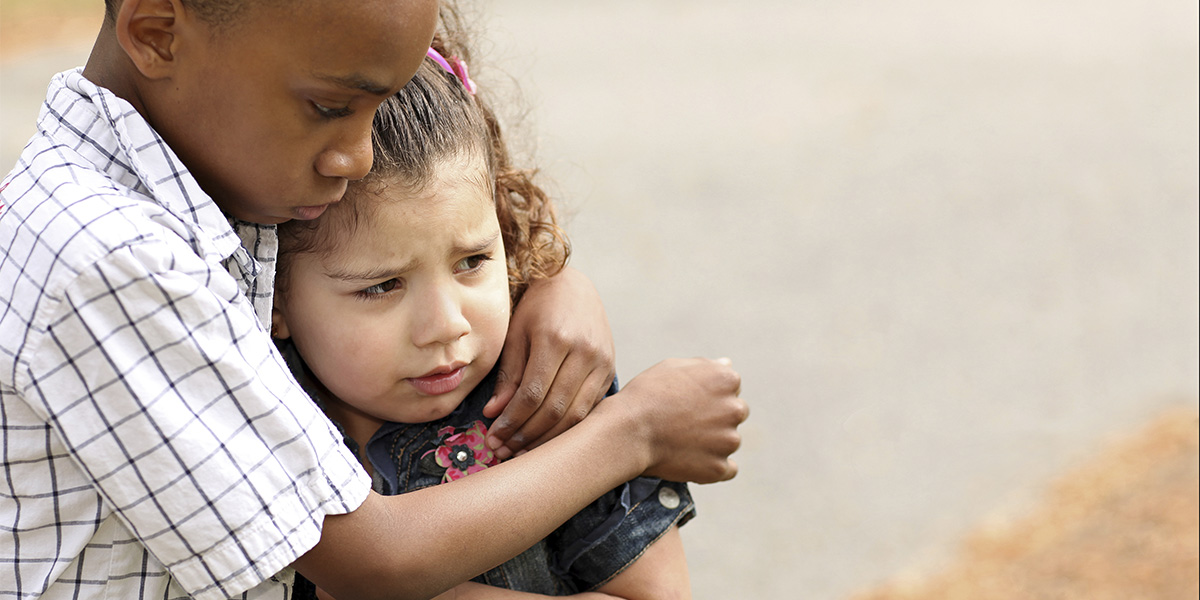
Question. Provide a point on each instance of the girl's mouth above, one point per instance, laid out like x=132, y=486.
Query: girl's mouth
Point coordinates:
x=439, y=383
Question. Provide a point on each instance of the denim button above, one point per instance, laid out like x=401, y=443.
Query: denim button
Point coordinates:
x=668, y=497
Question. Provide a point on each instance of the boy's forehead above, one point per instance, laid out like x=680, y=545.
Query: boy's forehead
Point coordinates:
x=369, y=46
x=327, y=20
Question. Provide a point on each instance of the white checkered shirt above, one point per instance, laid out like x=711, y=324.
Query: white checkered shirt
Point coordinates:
x=154, y=443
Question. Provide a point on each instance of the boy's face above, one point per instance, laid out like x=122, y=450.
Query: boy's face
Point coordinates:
x=409, y=313
x=273, y=115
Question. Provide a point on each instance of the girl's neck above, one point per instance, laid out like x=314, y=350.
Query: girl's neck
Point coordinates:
x=356, y=424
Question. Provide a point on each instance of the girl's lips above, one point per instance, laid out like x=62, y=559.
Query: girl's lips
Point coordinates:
x=439, y=383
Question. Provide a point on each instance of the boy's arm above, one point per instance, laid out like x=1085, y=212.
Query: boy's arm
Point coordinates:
x=479, y=591
x=557, y=362
x=659, y=574
x=678, y=420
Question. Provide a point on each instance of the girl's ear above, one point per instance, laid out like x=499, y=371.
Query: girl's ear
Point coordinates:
x=148, y=32
x=279, y=328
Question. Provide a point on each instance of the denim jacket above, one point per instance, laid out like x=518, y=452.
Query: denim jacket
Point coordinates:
x=582, y=554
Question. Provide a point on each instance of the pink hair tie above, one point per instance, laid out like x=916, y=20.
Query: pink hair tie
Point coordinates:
x=455, y=66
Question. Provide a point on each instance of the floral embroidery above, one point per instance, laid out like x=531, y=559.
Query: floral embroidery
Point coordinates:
x=458, y=452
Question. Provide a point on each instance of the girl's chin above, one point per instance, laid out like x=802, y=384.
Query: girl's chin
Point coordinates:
x=424, y=409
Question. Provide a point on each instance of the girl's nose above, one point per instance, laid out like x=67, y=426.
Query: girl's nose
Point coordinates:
x=441, y=319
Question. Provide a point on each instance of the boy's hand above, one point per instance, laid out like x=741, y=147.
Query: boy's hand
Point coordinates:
x=692, y=411
x=557, y=363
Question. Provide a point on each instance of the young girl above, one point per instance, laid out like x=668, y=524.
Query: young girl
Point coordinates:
x=394, y=305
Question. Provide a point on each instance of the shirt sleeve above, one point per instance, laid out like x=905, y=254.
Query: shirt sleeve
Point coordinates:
x=172, y=399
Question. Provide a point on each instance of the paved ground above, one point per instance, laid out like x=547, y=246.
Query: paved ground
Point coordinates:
x=951, y=245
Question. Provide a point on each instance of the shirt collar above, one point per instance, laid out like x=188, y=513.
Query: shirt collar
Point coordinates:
x=142, y=160
x=140, y=152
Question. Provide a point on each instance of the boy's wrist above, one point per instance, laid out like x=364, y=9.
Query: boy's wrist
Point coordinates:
x=628, y=433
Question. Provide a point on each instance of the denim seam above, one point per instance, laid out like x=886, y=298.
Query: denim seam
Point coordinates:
x=690, y=506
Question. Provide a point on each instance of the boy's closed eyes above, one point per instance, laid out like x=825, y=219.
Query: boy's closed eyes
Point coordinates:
x=289, y=111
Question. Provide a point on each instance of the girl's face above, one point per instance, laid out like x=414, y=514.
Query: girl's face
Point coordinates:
x=408, y=314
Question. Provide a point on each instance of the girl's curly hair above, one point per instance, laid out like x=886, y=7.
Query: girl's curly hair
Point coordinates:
x=432, y=120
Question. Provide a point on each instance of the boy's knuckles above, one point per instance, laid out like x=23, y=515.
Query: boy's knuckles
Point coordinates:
x=719, y=471
x=731, y=380
x=743, y=412
x=731, y=471
x=731, y=442
x=502, y=428
x=560, y=336
x=555, y=409
x=531, y=395
x=579, y=413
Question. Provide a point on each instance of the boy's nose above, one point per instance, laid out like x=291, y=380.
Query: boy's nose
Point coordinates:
x=350, y=159
x=442, y=321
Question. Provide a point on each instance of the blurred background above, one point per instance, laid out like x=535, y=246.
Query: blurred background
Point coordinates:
x=951, y=245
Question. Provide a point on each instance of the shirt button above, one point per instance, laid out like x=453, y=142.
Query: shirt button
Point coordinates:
x=668, y=498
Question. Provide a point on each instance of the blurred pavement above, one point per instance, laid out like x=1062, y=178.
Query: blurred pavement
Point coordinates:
x=952, y=246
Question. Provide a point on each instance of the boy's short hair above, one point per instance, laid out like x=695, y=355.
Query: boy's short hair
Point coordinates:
x=213, y=12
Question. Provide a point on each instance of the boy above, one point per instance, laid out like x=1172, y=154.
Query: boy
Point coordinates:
x=154, y=444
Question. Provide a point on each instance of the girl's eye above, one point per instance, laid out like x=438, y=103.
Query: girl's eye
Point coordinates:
x=471, y=263
x=332, y=113
x=380, y=288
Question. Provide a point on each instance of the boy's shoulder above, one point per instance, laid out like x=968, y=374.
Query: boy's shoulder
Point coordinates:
x=97, y=177
x=69, y=224
x=60, y=209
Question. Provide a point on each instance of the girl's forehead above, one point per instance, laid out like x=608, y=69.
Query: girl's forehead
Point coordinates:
x=391, y=210
x=404, y=234
x=463, y=175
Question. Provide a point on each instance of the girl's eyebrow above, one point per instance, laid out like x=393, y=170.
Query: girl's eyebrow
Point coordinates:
x=479, y=247
x=376, y=274
x=380, y=273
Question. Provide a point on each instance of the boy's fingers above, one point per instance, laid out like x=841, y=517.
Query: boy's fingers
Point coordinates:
x=511, y=367
x=503, y=392
x=588, y=395
x=559, y=408
x=536, y=380
x=731, y=471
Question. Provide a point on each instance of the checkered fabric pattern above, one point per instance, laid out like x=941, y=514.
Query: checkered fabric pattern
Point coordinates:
x=154, y=443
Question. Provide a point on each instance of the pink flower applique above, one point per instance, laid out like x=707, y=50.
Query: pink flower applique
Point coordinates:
x=458, y=452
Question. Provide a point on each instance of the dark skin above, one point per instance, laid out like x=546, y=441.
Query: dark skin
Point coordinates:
x=272, y=115
x=550, y=380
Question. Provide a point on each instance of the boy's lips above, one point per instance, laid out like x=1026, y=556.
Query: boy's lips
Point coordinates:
x=308, y=213
x=439, y=381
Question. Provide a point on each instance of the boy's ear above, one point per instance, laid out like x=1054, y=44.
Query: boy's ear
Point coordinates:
x=279, y=328
x=148, y=32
